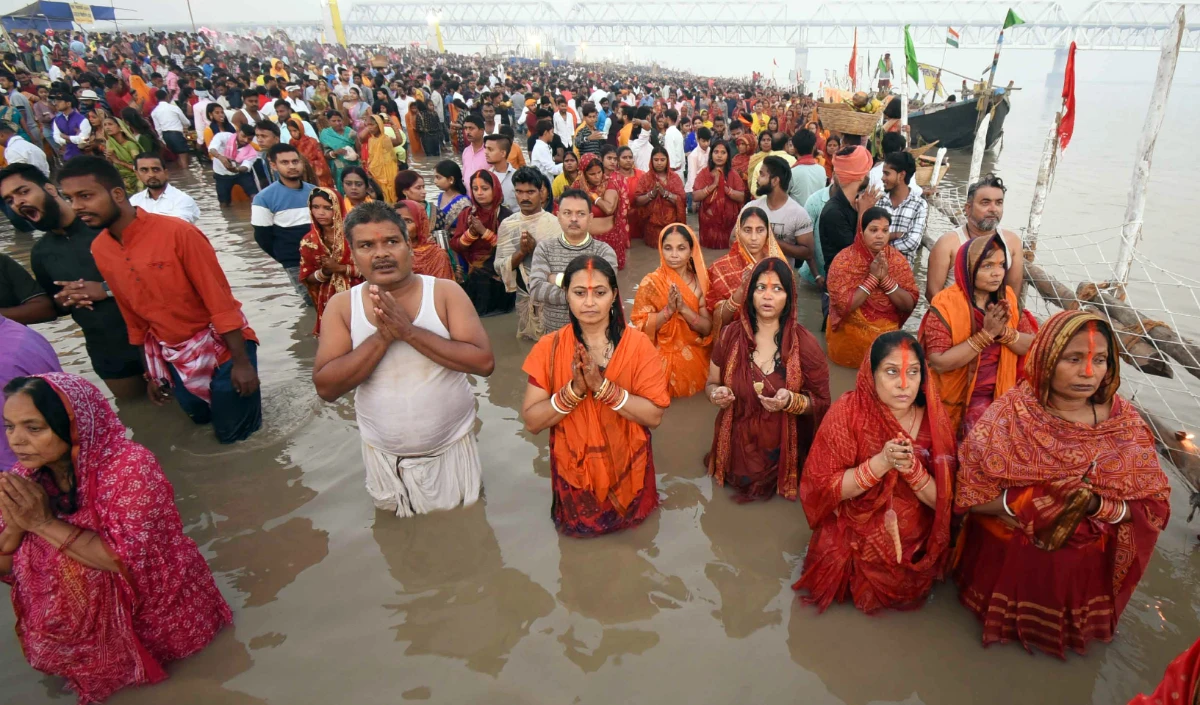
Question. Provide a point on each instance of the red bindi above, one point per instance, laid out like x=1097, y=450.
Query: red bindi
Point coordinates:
x=904, y=352
x=1091, y=353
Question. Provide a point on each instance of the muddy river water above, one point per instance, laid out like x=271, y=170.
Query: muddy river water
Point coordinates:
x=335, y=602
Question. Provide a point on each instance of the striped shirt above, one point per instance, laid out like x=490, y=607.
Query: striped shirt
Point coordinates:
x=281, y=220
x=550, y=259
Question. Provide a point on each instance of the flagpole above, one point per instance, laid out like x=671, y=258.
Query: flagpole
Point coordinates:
x=987, y=93
x=937, y=81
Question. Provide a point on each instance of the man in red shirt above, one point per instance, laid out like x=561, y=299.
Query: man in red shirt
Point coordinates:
x=117, y=94
x=175, y=300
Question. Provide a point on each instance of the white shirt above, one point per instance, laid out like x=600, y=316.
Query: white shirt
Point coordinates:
x=199, y=121
x=697, y=162
x=85, y=131
x=168, y=117
x=506, y=187
x=220, y=145
x=564, y=127
x=642, y=150
x=403, y=104
x=171, y=202
x=20, y=150
x=543, y=159
x=673, y=141
x=298, y=105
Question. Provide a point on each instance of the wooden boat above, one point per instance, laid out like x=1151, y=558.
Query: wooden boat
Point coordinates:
x=953, y=124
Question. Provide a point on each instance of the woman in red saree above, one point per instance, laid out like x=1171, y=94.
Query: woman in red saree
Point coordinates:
x=769, y=377
x=608, y=223
x=628, y=172
x=880, y=477
x=106, y=587
x=720, y=192
x=599, y=387
x=871, y=291
x=974, y=334
x=326, y=266
x=669, y=308
x=746, y=148
x=428, y=257
x=619, y=234
x=312, y=152
x=1180, y=684
x=755, y=242
x=659, y=198
x=1065, y=494
x=475, y=241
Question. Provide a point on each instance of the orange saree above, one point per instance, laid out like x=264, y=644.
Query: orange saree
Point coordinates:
x=851, y=333
x=851, y=554
x=428, y=257
x=1063, y=598
x=660, y=211
x=684, y=351
x=601, y=464
x=725, y=275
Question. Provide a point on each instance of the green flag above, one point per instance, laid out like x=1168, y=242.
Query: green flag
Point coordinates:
x=910, y=57
x=1012, y=19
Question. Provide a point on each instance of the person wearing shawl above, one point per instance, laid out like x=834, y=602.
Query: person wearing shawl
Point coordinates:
x=608, y=224
x=1065, y=496
x=720, y=192
x=311, y=150
x=744, y=143
x=769, y=378
x=428, y=257
x=1180, y=684
x=599, y=387
x=726, y=276
x=669, y=308
x=628, y=172
x=340, y=146
x=121, y=148
x=475, y=241
x=975, y=334
x=878, y=486
x=106, y=587
x=326, y=264
x=659, y=197
x=619, y=233
x=381, y=157
x=871, y=291
x=516, y=241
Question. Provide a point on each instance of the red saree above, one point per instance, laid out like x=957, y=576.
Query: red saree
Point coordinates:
x=480, y=281
x=617, y=236
x=725, y=275
x=1055, y=600
x=757, y=452
x=1180, y=684
x=315, y=247
x=718, y=212
x=104, y=631
x=312, y=152
x=851, y=554
x=851, y=333
x=428, y=257
x=659, y=212
x=741, y=161
x=601, y=464
x=684, y=352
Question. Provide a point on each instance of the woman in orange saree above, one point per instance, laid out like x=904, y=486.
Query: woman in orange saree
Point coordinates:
x=878, y=486
x=769, y=377
x=974, y=334
x=871, y=291
x=659, y=198
x=755, y=242
x=311, y=150
x=326, y=266
x=428, y=257
x=599, y=387
x=1065, y=494
x=669, y=309
x=609, y=211
x=720, y=192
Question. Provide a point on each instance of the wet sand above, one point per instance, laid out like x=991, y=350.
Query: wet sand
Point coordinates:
x=335, y=602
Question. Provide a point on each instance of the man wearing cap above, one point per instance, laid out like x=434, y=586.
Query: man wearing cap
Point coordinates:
x=295, y=99
x=71, y=128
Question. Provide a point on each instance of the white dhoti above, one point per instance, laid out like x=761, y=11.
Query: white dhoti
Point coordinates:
x=446, y=479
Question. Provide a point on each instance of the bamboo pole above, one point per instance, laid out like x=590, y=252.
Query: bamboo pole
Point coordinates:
x=979, y=148
x=1135, y=206
x=1183, y=350
x=1041, y=189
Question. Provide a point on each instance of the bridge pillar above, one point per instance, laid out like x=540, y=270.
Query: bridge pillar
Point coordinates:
x=1059, y=69
x=801, y=67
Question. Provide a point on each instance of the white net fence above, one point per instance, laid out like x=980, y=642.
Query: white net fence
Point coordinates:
x=1156, y=315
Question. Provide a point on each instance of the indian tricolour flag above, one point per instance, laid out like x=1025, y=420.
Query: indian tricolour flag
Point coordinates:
x=952, y=37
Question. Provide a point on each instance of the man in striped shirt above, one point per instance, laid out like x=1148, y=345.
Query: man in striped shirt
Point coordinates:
x=279, y=213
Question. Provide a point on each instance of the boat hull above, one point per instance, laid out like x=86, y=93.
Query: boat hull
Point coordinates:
x=953, y=127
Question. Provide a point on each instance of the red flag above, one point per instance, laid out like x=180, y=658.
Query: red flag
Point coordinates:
x=854, y=62
x=1066, y=127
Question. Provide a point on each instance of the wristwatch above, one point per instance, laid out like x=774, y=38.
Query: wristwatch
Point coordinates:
x=107, y=291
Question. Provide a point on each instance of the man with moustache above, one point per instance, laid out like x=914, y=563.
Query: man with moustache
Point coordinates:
x=160, y=196
x=405, y=343
x=64, y=268
x=984, y=209
x=551, y=257
x=176, y=302
x=516, y=239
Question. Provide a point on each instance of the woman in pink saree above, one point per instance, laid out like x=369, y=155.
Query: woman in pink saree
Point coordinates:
x=106, y=587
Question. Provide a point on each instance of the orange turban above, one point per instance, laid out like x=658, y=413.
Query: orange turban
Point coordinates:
x=853, y=167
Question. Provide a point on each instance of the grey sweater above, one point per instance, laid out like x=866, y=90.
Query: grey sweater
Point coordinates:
x=550, y=259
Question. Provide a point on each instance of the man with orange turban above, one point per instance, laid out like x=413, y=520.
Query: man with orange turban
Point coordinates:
x=839, y=217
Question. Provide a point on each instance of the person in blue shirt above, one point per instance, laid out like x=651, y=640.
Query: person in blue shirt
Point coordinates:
x=280, y=215
x=602, y=118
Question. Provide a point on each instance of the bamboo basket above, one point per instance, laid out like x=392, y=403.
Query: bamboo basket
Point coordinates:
x=925, y=173
x=917, y=152
x=849, y=122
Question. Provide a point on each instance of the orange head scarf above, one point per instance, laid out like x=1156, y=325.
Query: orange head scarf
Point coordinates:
x=853, y=167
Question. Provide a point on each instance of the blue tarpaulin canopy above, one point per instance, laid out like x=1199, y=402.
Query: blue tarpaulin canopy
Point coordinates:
x=50, y=15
